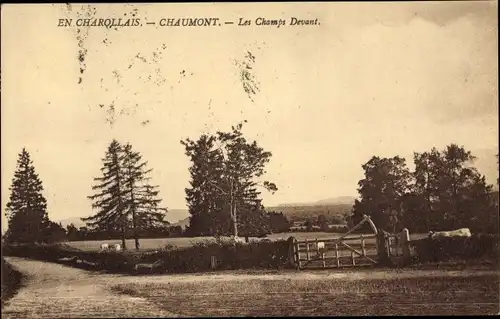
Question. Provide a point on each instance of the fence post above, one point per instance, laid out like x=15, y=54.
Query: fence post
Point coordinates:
x=307, y=250
x=213, y=262
x=382, y=249
x=323, y=252
x=317, y=249
x=291, y=251
x=363, y=250
x=337, y=255
x=297, y=253
x=405, y=242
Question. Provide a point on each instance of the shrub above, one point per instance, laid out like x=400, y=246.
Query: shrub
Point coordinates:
x=11, y=281
x=116, y=262
x=456, y=248
x=229, y=255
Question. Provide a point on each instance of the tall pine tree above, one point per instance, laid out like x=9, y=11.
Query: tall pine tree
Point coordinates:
x=142, y=200
x=27, y=207
x=110, y=199
x=125, y=198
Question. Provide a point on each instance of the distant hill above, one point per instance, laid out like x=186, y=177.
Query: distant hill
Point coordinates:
x=73, y=220
x=173, y=216
x=336, y=206
x=176, y=215
x=340, y=200
x=339, y=206
x=297, y=213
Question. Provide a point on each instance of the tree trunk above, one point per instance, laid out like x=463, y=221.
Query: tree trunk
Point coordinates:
x=136, y=238
x=429, y=205
x=124, y=245
x=233, y=212
x=235, y=226
x=134, y=216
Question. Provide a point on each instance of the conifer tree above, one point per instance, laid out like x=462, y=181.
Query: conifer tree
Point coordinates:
x=27, y=207
x=110, y=199
x=141, y=198
x=125, y=199
x=204, y=200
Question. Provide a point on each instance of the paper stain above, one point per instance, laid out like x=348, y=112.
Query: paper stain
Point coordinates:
x=82, y=33
x=249, y=82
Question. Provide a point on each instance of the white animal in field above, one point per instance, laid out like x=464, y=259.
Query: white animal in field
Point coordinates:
x=104, y=246
x=118, y=247
x=462, y=232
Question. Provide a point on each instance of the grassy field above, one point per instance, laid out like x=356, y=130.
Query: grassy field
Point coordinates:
x=182, y=242
x=323, y=297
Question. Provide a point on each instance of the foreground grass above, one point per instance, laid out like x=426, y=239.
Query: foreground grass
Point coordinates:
x=11, y=281
x=472, y=295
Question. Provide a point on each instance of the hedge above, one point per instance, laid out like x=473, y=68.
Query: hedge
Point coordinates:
x=233, y=256
x=480, y=246
x=253, y=255
x=229, y=256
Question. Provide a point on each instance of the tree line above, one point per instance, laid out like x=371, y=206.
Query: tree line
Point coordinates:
x=224, y=198
x=443, y=192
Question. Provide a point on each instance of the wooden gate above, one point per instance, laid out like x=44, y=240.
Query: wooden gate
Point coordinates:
x=380, y=248
x=345, y=251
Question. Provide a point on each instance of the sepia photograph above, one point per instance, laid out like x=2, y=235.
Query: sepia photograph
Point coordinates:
x=249, y=159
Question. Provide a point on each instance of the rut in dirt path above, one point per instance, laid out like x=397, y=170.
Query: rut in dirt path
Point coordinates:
x=56, y=291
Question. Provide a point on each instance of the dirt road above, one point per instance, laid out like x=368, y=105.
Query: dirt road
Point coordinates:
x=56, y=291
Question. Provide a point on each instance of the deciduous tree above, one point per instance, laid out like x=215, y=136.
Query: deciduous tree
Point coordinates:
x=224, y=180
x=381, y=192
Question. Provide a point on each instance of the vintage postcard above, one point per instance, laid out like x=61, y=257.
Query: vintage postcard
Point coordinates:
x=249, y=159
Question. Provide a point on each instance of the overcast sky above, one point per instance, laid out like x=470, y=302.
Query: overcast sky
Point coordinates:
x=373, y=79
